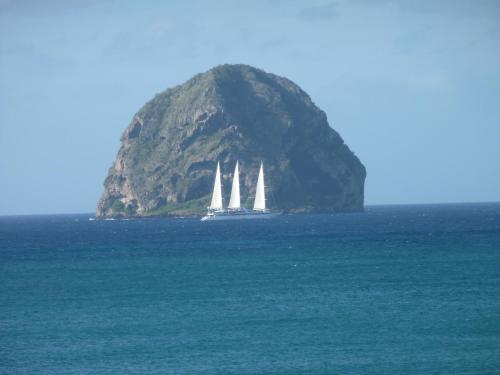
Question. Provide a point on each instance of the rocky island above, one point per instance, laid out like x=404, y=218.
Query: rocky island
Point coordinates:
x=169, y=151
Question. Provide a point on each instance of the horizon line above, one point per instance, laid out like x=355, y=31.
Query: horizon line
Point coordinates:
x=365, y=206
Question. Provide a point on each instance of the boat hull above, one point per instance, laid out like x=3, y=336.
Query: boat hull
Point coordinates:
x=244, y=215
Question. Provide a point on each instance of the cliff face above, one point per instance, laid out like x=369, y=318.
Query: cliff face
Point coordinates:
x=167, y=160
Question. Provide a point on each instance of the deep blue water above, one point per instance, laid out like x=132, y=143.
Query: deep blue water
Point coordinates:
x=395, y=290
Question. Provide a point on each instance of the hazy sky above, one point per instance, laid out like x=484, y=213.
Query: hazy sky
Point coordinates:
x=413, y=87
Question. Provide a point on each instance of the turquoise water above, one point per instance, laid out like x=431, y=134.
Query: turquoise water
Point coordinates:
x=398, y=289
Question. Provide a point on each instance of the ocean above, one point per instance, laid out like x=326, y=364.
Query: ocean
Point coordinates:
x=394, y=290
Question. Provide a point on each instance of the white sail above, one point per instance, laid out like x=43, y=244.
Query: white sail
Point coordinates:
x=234, y=201
x=217, y=194
x=260, y=195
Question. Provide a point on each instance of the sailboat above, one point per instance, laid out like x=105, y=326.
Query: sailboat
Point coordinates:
x=234, y=210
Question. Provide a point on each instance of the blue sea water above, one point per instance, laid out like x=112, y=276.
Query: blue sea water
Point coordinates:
x=394, y=290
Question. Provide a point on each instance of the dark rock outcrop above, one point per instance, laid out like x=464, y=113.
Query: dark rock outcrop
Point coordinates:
x=167, y=160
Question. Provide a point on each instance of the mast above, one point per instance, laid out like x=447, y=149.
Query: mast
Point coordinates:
x=234, y=201
x=217, y=193
x=260, y=195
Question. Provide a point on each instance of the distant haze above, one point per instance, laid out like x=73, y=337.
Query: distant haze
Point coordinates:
x=413, y=87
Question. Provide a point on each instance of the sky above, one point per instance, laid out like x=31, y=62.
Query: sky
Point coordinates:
x=413, y=87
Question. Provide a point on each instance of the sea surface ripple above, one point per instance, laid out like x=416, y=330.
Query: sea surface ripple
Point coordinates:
x=394, y=290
